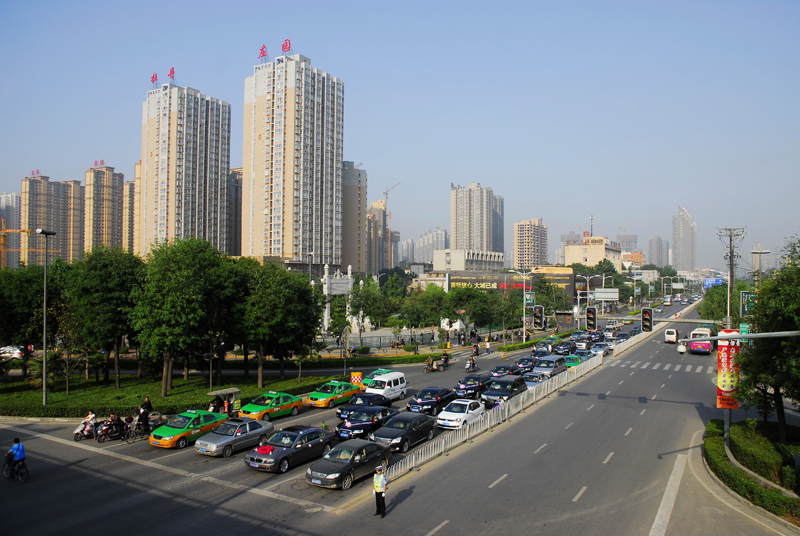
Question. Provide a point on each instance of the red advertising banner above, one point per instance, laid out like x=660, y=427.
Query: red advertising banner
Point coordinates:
x=727, y=370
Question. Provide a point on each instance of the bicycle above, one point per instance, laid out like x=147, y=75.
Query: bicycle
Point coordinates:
x=21, y=471
x=135, y=431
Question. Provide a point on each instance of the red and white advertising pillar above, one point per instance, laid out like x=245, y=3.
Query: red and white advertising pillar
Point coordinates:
x=727, y=377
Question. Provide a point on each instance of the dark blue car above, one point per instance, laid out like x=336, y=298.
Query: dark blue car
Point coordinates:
x=431, y=400
x=363, y=400
x=472, y=386
x=526, y=364
x=363, y=421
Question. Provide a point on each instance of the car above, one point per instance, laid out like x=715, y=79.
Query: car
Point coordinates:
x=363, y=421
x=552, y=341
x=572, y=361
x=272, y=404
x=659, y=309
x=11, y=352
x=472, y=386
x=601, y=348
x=538, y=353
x=186, y=427
x=504, y=370
x=565, y=348
x=597, y=336
x=551, y=366
x=460, y=413
x=627, y=321
x=366, y=382
x=405, y=430
x=293, y=445
x=503, y=389
x=348, y=462
x=332, y=393
x=359, y=401
x=526, y=364
x=576, y=335
x=583, y=354
x=671, y=335
x=611, y=343
x=233, y=434
x=609, y=333
x=623, y=337
x=583, y=344
x=635, y=331
x=431, y=400
x=532, y=379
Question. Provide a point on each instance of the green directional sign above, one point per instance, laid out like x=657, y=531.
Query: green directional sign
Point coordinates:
x=747, y=301
x=744, y=329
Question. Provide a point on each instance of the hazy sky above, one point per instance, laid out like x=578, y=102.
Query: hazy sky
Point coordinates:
x=621, y=110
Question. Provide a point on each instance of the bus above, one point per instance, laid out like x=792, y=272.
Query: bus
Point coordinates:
x=703, y=347
x=667, y=300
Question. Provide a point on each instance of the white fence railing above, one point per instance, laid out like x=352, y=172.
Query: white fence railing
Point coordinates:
x=492, y=418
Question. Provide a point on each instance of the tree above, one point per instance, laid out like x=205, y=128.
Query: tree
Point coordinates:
x=715, y=302
x=100, y=288
x=338, y=315
x=365, y=301
x=463, y=303
x=433, y=301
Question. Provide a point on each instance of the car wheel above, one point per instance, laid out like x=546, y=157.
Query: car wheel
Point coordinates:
x=403, y=395
x=227, y=451
x=266, y=416
x=347, y=482
x=404, y=446
x=262, y=440
x=326, y=449
x=295, y=411
x=101, y=439
x=430, y=434
x=182, y=442
x=331, y=404
x=283, y=466
x=385, y=465
x=77, y=437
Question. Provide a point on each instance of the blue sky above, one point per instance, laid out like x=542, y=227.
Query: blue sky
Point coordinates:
x=621, y=110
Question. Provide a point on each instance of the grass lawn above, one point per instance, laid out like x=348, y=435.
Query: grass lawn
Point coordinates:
x=20, y=399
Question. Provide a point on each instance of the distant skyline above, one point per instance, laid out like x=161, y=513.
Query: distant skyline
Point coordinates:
x=621, y=110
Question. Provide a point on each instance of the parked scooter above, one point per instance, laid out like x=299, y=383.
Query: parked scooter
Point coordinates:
x=105, y=431
x=85, y=430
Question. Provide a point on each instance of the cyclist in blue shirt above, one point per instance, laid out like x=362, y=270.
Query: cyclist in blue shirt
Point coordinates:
x=18, y=452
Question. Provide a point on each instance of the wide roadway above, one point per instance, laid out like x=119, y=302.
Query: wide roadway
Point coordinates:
x=595, y=458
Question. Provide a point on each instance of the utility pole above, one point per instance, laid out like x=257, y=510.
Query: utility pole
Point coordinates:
x=734, y=236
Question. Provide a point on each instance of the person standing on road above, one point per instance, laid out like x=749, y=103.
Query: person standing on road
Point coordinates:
x=488, y=347
x=379, y=490
x=144, y=415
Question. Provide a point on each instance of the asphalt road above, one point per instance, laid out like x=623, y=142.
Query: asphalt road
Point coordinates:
x=598, y=457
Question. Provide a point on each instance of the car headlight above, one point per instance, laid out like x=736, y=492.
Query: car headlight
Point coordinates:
x=358, y=432
x=269, y=460
x=167, y=438
x=396, y=440
x=308, y=472
x=332, y=476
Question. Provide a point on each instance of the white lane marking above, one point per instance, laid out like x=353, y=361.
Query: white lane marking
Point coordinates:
x=614, y=364
x=578, y=496
x=666, y=367
x=620, y=383
x=540, y=448
x=688, y=368
x=656, y=366
x=629, y=430
x=654, y=397
x=661, y=521
x=677, y=368
x=496, y=482
x=669, y=377
x=699, y=369
x=635, y=364
x=662, y=385
x=631, y=374
x=590, y=407
x=645, y=365
x=440, y=525
x=710, y=370
x=608, y=393
x=642, y=413
x=607, y=458
x=570, y=424
x=173, y=470
x=625, y=364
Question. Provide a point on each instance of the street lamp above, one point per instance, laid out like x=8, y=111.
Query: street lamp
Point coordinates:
x=44, y=318
x=310, y=260
x=524, y=304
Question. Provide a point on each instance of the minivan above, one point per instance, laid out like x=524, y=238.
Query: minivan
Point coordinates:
x=671, y=335
x=550, y=366
x=391, y=385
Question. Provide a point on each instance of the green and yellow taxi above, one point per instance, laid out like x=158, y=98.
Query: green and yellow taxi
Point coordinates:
x=366, y=382
x=272, y=404
x=332, y=393
x=185, y=428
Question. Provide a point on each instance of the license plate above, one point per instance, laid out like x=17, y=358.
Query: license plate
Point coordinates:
x=461, y=393
x=253, y=465
x=345, y=434
x=316, y=481
x=203, y=450
x=156, y=442
x=414, y=409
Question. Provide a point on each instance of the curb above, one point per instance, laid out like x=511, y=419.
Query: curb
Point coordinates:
x=735, y=496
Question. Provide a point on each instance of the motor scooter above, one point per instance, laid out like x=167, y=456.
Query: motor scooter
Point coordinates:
x=85, y=430
x=470, y=366
x=105, y=431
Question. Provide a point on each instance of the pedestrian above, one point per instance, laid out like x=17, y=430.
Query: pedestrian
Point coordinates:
x=488, y=347
x=379, y=490
x=144, y=415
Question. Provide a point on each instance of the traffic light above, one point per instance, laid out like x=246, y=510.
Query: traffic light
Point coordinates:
x=591, y=318
x=538, y=317
x=647, y=319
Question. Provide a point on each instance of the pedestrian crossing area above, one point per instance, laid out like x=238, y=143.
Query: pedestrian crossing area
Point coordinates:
x=641, y=365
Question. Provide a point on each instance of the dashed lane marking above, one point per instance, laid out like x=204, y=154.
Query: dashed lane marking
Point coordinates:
x=629, y=430
x=570, y=424
x=608, y=393
x=607, y=458
x=677, y=368
x=662, y=385
x=496, y=482
x=440, y=525
x=642, y=413
x=645, y=365
x=620, y=383
x=540, y=448
x=654, y=397
x=656, y=366
x=666, y=367
x=578, y=496
x=590, y=407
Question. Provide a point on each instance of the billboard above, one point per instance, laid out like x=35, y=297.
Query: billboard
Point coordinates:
x=678, y=286
x=727, y=370
x=558, y=275
x=709, y=282
x=605, y=294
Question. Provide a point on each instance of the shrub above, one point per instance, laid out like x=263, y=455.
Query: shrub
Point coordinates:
x=755, y=452
x=362, y=350
x=788, y=477
x=529, y=344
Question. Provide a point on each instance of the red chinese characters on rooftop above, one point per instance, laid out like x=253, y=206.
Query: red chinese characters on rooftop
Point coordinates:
x=154, y=78
x=287, y=46
x=262, y=53
x=172, y=73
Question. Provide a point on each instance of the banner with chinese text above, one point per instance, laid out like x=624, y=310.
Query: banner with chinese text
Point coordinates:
x=727, y=370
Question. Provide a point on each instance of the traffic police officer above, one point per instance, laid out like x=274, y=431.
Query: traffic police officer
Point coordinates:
x=379, y=490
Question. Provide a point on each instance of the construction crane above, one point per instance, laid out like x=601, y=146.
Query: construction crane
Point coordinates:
x=386, y=205
x=625, y=228
x=4, y=240
x=358, y=165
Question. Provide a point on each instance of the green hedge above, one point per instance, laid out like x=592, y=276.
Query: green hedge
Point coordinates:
x=755, y=452
x=362, y=350
x=523, y=345
x=740, y=482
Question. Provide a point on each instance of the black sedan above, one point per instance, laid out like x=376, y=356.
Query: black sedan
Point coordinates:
x=597, y=335
x=472, y=386
x=363, y=421
x=565, y=348
x=526, y=364
x=505, y=370
x=293, y=445
x=404, y=431
x=359, y=401
x=431, y=400
x=623, y=337
x=539, y=352
x=348, y=462
x=501, y=389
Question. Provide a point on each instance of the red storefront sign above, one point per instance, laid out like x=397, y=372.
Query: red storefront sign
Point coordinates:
x=727, y=370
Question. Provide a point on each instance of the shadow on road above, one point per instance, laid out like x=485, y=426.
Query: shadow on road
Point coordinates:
x=398, y=499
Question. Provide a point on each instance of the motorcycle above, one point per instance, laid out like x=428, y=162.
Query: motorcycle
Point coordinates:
x=436, y=366
x=470, y=366
x=105, y=431
x=85, y=430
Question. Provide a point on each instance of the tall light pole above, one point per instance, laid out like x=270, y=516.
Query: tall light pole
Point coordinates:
x=524, y=311
x=44, y=318
x=310, y=260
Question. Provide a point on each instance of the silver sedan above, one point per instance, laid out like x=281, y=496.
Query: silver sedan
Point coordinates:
x=233, y=434
x=601, y=348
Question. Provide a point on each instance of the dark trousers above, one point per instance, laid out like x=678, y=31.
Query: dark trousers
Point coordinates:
x=380, y=504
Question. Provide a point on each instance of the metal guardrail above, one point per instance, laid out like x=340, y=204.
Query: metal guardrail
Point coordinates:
x=489, y=420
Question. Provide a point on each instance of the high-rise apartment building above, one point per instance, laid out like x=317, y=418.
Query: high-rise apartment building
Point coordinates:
x=430, y=242
x=129, y=208
x=292, y=180
x=530, y=244
x=235, y=212
x=354, y=218
x=394, y=249
x=684, y=241
x=54, y=206
x=476, y=218
x=379, y=238
x=182, y=190
x=629, y=242
x=103, y=211
x=407, y=250
x=658, y=252
x=9, y=212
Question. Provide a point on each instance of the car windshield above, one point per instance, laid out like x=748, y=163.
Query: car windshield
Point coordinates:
x=180, y=421
x=226, y=429
x=359, y=401
x=600, y=345
x=327, y=389
x=581, y=352
x=531, y=378
x=360, y=416
x=397, y=424
x=540, y=353
x=573, y=360
x=339, y=453
x=456, y=408
x=525, y=361
x=378, y=384
x=282, y=439
x=502, y=369
x=376, y=373
x=264, y=400
x=470, y=381
x=499, y=386
x=544, y=364
x=427, y=395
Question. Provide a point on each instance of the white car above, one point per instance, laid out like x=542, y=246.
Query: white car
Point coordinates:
x=11, y=352
x=460, y=412
x=600, y=348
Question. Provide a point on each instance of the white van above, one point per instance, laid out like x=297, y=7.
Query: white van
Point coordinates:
x=612, y=324
x=391, y=385
x=671, y=335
